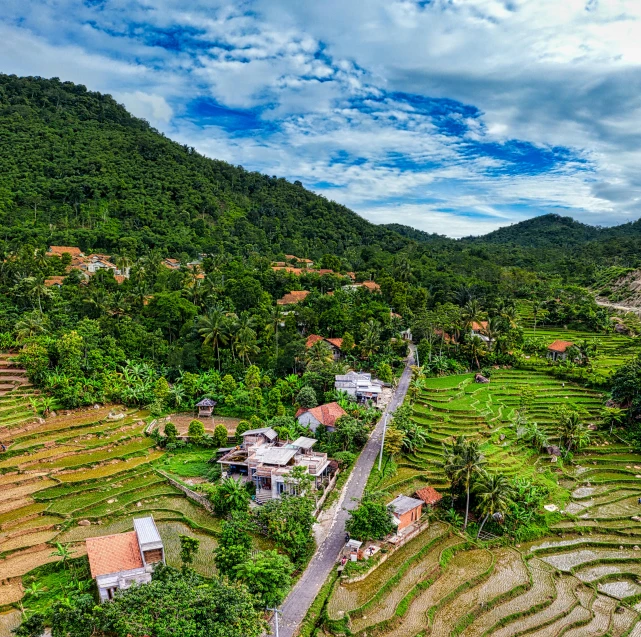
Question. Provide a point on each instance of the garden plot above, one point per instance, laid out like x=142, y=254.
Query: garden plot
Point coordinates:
x=203, y=562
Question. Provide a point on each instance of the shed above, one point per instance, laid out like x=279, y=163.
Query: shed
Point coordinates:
x=206, y=407
x=405, y=510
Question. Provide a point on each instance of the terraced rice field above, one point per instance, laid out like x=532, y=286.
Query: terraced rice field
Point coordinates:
x=82, y=466
x=584, y=579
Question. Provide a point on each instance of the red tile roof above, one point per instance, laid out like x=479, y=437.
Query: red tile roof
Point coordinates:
x=314, y=338
x=60, y=250
x=560, y=346
x=54, y=280
x=113, y=553
x=325, y=414
x=120, y=278
x=429, y=495
x=287, y=268
x=370, y=285
x=296, y=296
x=479, y=327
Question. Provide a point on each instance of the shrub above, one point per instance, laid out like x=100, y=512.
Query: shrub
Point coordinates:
x=220, y=436
x=196, y=430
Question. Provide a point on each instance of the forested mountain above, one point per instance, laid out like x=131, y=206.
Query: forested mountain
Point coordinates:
x=77, y=169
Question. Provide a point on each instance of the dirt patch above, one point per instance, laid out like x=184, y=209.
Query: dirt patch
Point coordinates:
x=182, y=421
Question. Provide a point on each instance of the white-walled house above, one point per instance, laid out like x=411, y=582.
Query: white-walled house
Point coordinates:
x=325, y=415
x=125, y=559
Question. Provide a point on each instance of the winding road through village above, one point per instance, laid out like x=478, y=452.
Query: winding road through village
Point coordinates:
x=300, y=598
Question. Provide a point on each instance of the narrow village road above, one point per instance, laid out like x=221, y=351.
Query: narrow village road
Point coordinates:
x=300, y=598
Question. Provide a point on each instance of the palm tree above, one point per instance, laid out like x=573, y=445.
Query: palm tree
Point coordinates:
x=30, y=326
x=494, y=495
x=493, y=329
x=246, y=344
x=123, y=263
x=537, y=307
x=319, y=352
x=212, y=327
x=275, y=319
x=415, y=389
x=476, y=348
x=233, y=495
x=37, y=289
x=572, y=432
x=613, y=417
x=471, y=313
x=370, y=343
x=463, y=460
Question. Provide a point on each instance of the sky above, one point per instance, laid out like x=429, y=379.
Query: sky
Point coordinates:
x=452, y=116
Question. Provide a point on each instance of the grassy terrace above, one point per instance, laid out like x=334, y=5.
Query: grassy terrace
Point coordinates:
x=583, y=579
x=82, y=466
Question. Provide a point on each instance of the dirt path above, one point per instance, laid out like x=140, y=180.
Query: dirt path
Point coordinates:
x=304, y=592
x=615, y=306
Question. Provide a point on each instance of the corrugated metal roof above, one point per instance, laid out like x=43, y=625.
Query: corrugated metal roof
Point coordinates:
x=147, y=531
x=268, y=432
x=402, y=504
x=304, y=443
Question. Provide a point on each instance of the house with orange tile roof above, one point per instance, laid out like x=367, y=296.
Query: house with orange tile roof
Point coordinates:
x=558, y=351
x=58, y=251
x=480, y=329
x=368, y=285
x=308, y=263
x=325, y=415
x=335, y=344
x=172, y=264
x=295, y=296
x=125, y=559
x=54, y=281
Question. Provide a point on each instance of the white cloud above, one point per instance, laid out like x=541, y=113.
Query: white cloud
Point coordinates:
x=546, y=72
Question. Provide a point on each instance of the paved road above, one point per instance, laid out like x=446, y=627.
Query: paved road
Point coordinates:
x=303, y=594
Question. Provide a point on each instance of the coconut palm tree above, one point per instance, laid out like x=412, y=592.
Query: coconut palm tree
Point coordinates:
x=463, y=461
x=573, y=434
x=246, y=344
x=472, y=313
x=370, y=343
x=494, y=496
x=613, y=417
x=537, y=310
x=476, y=346
x=273, y=325
x=319, y=352
x=37, y=290
x=212, y=327
x=29, y=326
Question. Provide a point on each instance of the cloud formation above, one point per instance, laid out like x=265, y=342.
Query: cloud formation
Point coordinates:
x=453, y=116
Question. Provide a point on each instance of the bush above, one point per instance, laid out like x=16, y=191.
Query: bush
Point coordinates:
x=220, y=436
x=196, y=430
x=306, y=398
x=370, y=521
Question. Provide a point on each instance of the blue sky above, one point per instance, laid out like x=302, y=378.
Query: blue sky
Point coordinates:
x=453, y=116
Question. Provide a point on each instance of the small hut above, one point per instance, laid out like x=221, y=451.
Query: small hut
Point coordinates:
x=206, y=407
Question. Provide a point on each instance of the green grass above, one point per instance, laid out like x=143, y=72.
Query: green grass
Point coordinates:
x=186, y=464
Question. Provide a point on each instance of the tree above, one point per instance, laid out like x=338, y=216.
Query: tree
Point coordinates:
x=213, y=328
x=320, y=353
x=613, y=417
x=234, y=543
x=181, y=607
x=228, y=496
x=462, y=461
x=188, y=548
x=267, y=575
x=372, y=520
x=348, y=343
x=393, y=441
x=306, y=398
x=32, y=626
x=288, y=522
x=494, y=495
x=252, y=377
x=171, y=433
x=64, y=552
x=385, y=373
x=573, y=434
x=350, y=434
x=370, y=343
x=196, y=430
x=220, y=436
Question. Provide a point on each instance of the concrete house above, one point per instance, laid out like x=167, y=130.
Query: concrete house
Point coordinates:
x=267, y=462
x=558, y=351
x=360, y=385
x=405, y=510
x=125, y=559
x=325, y=415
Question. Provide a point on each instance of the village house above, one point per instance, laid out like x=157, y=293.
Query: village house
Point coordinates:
x=334, y=344
x=558, y=351
x=125, y=559
x=54, y=281
x=172, y=264
x=405, y=511
x=206, y=407
x=367, y=285
x=325, y=415
x=430, y=496
x=360, y=385
x=296, y=296
x=262, y=459
x=480, y=330
x=58, y=251
x=306, y=263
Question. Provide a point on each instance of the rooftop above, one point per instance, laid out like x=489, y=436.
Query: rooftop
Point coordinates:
x=277, y=455
x=402, y=504
x=295, y=296
x=560, y=346
x=304, y=443
x=60, y=250
x=326, y=414
x=113, y=553
x=268, y=432
x=429, y=495
x=206, y=402
x=147, y=531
